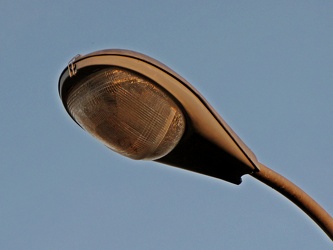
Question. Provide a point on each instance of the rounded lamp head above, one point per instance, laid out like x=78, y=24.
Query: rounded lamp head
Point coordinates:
x=140, y=108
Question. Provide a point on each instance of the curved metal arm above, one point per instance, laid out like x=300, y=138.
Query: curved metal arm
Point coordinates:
x=297, y=196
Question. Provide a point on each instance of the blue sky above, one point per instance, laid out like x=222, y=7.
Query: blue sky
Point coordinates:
x=266, y=67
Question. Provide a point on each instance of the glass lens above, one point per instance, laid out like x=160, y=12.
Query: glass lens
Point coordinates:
x=127, y=112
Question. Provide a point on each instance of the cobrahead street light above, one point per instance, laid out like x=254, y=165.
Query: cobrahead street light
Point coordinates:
x=142, y=109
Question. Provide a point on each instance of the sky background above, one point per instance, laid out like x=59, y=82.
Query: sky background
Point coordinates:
x=266, y=67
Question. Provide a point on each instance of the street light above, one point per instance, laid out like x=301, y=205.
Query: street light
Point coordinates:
x=142, y=109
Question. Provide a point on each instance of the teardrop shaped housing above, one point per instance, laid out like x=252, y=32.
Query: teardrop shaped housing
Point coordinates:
x=128, y=112
x=139, y=108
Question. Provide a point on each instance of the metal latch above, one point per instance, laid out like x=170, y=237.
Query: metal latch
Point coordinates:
x=72, y=67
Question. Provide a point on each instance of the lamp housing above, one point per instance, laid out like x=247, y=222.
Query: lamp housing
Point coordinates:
x=142, y=109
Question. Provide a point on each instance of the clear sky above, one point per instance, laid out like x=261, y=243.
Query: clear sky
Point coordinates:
x=266, y=67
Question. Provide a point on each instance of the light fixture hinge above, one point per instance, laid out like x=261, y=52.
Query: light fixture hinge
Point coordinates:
x=72, y=67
